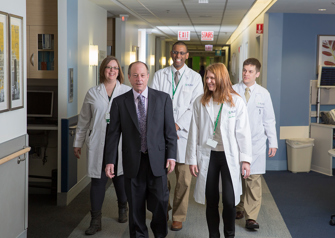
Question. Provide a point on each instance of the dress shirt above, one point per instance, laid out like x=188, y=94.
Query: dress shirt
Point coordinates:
x=252, y=87
x=145, y=95
x=181, y=72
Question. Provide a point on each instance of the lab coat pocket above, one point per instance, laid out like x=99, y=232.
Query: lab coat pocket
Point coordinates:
x=203, y=160
x=88, y=137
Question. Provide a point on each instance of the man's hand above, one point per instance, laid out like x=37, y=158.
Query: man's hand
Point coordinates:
x=110, y=170
x=177, y=129
x=170, y=163
x=272, y=152
x=77, y=152
x=194, y=170
x=245, y=170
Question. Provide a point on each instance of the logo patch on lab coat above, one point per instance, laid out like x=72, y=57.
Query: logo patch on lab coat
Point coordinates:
x=231, y=113
x=189, y=84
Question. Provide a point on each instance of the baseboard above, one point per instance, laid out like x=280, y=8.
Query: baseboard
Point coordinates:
x=64, y=199
x=23, y=234
x=321, y=170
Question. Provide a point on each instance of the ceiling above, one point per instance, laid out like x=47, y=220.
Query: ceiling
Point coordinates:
x=167, y=17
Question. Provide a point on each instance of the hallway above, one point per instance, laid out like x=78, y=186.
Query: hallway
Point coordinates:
x=72, y=221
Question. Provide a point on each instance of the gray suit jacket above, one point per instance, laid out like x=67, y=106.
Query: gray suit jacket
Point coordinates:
x=161, y=133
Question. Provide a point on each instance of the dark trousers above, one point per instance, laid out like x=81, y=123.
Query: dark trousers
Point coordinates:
x=144, y=189
x=98, y=188
x=218, y=165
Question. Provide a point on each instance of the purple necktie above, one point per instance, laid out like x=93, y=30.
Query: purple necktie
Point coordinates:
x=142, y=122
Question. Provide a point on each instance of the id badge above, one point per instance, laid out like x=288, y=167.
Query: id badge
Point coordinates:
x=107, y=117
x=212, y=143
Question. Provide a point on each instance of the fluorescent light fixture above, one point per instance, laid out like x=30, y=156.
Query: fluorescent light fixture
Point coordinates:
x=322, y=9
x=203, y=1
x=93, y=57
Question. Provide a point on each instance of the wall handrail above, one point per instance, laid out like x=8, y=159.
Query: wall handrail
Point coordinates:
x=14, y=155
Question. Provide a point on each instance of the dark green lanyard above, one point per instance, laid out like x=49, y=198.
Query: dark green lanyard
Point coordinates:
x=110, y=97
x=217, y=119
x=173, y=89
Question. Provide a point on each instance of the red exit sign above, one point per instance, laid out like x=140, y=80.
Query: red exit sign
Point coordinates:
x=183, y=35
x=207, y=35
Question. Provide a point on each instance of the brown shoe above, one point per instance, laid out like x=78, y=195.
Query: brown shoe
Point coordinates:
x=176, y=226
x=251, y=224
x=239, y=215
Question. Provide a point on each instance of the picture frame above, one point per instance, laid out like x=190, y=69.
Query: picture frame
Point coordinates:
x=326, y=50
x=15, y=30
x=4, y=66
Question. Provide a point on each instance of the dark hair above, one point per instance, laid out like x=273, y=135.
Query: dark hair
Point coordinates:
x=253, y=61
x=180, y=43
x=131, y=65
x=103, y=65
x=223, y=85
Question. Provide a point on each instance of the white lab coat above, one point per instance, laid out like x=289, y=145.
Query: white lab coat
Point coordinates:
x=92, y=124
x=236, y=138
x=189, y=88
x=262, y=124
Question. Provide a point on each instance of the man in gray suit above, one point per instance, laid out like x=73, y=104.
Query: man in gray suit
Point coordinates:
x=144, y=116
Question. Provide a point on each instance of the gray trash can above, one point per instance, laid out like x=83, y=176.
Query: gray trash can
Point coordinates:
x=299, y=154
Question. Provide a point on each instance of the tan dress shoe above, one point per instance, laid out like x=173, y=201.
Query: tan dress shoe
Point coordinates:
x=176, y=226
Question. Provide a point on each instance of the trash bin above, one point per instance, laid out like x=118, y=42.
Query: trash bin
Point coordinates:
x=299, y=154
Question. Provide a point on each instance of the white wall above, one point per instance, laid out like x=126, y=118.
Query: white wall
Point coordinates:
x=14, y=123
x=126, y=37
x=151, y=53
x=92, y=29
x=247, y=42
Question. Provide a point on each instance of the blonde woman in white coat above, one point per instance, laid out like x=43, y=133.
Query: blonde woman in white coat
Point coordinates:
x=92, y=126
x=219, y=144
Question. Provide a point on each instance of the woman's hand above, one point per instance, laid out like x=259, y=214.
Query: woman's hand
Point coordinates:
x=77, y=152
x=194, y=170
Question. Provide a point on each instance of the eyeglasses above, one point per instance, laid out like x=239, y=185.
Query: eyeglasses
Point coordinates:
x=110, y=68
x=181, y=53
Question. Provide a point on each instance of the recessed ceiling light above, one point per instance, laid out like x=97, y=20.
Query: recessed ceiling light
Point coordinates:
x=322, y=9
x=203, y=1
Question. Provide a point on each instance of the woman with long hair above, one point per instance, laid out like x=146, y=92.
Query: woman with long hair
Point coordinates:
x=219, y=144
x=92, y=125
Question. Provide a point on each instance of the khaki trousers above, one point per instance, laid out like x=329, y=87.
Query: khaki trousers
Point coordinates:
x=251, y=198
x=181, y=192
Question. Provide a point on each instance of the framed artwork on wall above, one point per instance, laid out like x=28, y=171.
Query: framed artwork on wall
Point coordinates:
x=4, y=78
x=326, y=50
x=16, y=61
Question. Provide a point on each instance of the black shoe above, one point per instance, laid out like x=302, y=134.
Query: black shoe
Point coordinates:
x=123, y=209
x=95, y=224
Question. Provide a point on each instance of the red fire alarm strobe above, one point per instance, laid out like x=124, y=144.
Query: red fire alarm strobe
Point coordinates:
x=259, y=28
